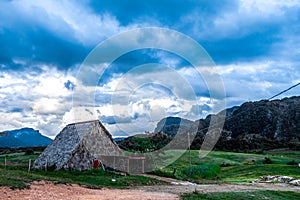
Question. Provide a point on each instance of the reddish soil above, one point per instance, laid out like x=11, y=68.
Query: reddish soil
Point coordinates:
x=49, y=191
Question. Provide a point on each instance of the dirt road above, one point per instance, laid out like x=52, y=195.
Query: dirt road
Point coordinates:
x=210, y=188
x=49, y=191
x=179, y=187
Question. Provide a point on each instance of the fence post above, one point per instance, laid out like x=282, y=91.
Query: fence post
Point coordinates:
x=114, y=163
x=46, y=165
x=5, y=163
x=128, y=165
x=190, y=161
x=29, y=165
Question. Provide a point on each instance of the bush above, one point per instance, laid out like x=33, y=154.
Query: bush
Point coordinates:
x=206, y=171
x=163, y=173
x=293, y=162
x=29, y=152
x=267, y=161
x=259, y=152
x=226, y=165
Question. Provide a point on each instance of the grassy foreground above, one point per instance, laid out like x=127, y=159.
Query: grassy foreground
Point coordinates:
x=271, y=195
x=16, y=175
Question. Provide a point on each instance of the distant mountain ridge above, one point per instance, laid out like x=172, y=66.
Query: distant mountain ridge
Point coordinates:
x=253, y=125
x=172, y=125
x=24, y=137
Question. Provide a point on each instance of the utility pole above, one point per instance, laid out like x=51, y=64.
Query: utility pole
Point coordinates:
x=190, y=161
x=46, y=165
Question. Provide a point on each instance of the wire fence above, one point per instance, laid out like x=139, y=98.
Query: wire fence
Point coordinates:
x=17, y=160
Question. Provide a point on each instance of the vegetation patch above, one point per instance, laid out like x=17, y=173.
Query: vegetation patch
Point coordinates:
x=145, y=143
x=20, y=178
x=267, y=161
x=257, y=195
x=234, y=167
x=206, y=171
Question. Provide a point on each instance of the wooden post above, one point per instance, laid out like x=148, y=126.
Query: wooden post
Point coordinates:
x=29, y=165
x=5, y=163
x=128, y=166
x=114, y=163
x=46, y=165
x=114, y=179
x=102, y=166
x=143, y=166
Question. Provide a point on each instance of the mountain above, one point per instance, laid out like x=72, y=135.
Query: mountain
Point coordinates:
x=278, y=119
x=121, y=138
x=25, y=137
x=172, y=125
x=145, y=142
x=253, y=125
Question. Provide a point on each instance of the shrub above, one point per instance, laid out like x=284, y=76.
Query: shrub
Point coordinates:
x=29, y=152
x=206, y=171
x=267, y=161
x=259, y=152
x=226, y=165
x=293, y=162
x=163, y=173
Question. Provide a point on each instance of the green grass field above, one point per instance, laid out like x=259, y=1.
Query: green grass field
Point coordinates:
x=257, y=195
x=235, y=167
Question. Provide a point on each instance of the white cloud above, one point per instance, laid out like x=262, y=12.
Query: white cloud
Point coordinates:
x=67, y=19
x=249, y=17
x=258, y=80
x=78, y=114
x=51, y=84
x=268, y=6
x=40, y=100
x=47, y=105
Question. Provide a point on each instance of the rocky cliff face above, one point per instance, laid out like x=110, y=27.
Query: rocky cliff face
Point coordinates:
x=278, y=119
x=253, y=125
x=172, y=125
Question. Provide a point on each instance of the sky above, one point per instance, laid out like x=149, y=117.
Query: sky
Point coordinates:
x=254, y=46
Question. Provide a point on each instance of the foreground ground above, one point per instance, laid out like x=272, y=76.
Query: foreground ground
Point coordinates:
x=215, y=174
x=48, y=191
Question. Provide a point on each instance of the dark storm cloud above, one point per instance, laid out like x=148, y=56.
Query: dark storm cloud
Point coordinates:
x=165, y=11
x=255, y=44
x=136, y=58
x=52, y=39
x=243, y=49
x=38, y=46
